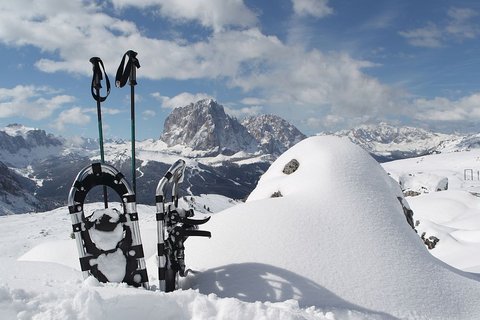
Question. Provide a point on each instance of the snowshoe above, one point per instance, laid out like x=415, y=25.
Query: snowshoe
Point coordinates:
x=174, y=226
x=108, y=241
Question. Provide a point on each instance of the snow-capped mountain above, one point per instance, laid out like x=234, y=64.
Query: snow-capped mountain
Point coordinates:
x=274, y=134
x=460, y=143
x=387, y=142
x=222, y=158
x=16, y=136
x=21, y=145
x=204, y=126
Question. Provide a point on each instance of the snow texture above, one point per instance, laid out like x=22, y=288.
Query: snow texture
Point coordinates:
x=335, y=246
x=337, y=238
x=106, y=240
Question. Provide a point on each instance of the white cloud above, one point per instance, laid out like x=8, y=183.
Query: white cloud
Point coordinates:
x=147, y=114
x=442, y=109
x=180, y=100
x=30, y=102
x=459, y=25
x=138, y=98
x=105, y=110
x=253, y=101
x=315, y=8
x=241, y=113
x=429, y=36
x=110, y=111
x=215, y=14
x=324, y=81
x=328, y=121
x=71, y=117
x=278, y=73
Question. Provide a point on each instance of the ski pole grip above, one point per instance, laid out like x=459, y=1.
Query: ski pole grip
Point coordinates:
x=127, y=71
x=98, y=71
x=97, y=74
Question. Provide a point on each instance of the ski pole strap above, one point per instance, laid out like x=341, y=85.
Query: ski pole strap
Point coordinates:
x=124, y=72
x=98, y=72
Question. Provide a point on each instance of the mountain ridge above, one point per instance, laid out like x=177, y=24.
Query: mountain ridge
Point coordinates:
x=216, y=165
x=205, y=127
x=388, y=142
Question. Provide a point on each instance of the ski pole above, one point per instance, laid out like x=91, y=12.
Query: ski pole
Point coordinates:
x=98, y=71
x=124, y=73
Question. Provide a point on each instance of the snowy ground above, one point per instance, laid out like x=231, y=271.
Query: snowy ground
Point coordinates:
x=453, y=216
x=335, y=245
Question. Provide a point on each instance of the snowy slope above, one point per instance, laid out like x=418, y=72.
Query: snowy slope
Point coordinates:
x=452, y=216
x=455, y=166
x=335, y=245
x=39, y=279
x=336, y=238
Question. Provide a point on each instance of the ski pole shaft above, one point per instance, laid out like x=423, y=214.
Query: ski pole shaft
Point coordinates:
x=98, y=70
x=132, y=111
x=124, y=73
x=102, y=152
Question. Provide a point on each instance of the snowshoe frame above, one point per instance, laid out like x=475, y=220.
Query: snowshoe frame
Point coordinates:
x=100, y=174
x=176, y=226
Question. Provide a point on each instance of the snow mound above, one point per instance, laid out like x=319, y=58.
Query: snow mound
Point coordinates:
x=421, y=182
x=334, y=236
x=452, y=216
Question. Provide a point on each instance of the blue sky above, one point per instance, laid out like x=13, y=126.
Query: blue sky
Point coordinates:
x=323, y=65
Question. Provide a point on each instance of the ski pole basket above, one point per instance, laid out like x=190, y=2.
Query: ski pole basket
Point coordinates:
x=92, y=232
x=174, y=226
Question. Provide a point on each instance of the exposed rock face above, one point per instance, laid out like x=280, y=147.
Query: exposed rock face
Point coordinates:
x=274, y=134
x=204, y=126
x=291, y=166
x=16, y=137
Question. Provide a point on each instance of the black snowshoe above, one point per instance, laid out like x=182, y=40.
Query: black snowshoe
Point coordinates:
x=108, y=241
x=174, y=226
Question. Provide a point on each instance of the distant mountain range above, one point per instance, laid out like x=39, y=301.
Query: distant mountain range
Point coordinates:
x=386, y=142
x=223, y=155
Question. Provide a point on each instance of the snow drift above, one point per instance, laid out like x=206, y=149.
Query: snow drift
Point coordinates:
x=333, y=236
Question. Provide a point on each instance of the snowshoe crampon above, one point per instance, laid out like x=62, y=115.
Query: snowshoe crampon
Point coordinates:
x=174, y=226
x=108, y=241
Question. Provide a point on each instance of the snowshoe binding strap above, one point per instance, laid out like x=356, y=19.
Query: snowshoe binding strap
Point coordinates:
x=182, y=216
x=128, y=71
x=98, y=72
x=185, y=233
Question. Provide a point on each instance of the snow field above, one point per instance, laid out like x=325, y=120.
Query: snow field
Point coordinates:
x=335, y=245
x=338, y=238
x=452, y=216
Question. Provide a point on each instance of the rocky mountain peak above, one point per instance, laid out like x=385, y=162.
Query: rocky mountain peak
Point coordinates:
x=204, y=126
x=15, y=137
x=274, y=134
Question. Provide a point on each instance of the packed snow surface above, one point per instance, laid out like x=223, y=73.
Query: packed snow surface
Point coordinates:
x=452, y=216
x=334, y=245
x=337, y=238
